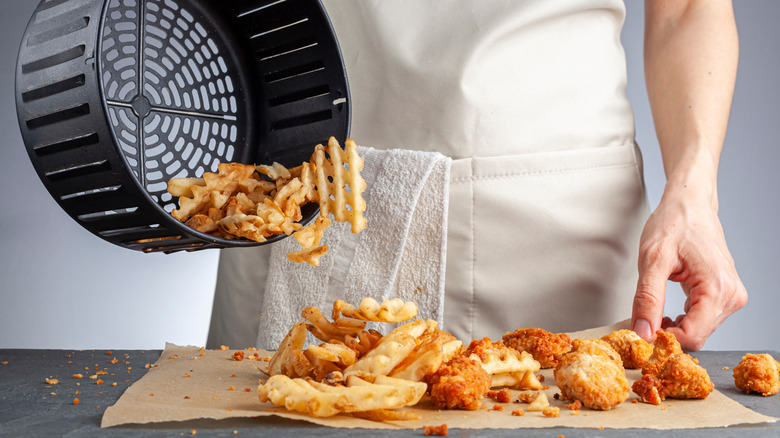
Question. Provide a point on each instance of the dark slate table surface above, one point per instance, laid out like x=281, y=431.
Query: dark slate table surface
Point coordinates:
x=30, y=407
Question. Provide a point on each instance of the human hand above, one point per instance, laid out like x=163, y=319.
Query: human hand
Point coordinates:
x=683, y=241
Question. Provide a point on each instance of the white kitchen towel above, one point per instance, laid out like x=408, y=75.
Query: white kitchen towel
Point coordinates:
x=400, y=254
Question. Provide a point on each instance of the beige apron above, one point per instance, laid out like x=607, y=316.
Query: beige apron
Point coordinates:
x=528, y=98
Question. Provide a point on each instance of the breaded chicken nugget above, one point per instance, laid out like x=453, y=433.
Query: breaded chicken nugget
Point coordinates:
x=544, y=346
x=634, y=350
x=671, y=373
x=592, y=372
x=758, y=373
x=664, y=347
x=459, y=384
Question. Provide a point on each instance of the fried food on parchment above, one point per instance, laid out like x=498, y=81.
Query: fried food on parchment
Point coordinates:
x=506, y=366
x=758, y=373
x=670, y=373
x=664, y=347
x=592, y=372
x=544, y=346
x=459, y=384
x=357, y=395
x=434, y=348
x=634, y=350
x=679, y=377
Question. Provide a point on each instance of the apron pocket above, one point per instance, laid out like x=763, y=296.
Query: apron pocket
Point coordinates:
x=544, y=240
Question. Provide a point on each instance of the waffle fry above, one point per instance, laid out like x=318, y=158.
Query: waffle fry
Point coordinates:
x=183, y=186
x=391, y=349
x=321, y=400
x=311, y=235
x=337, y=353
x=395, y=310
x=282, y=361
x=386, y=415
x=332, y=179
x=363, y=342
x=325, y=330
x=257, y=202
x=311, y=256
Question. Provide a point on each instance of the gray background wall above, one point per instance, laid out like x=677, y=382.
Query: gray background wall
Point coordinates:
x=61, y=287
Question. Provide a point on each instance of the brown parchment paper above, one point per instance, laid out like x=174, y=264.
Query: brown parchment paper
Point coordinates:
x=189, y=383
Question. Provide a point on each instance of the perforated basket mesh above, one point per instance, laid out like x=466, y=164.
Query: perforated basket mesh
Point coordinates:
x=115, y=98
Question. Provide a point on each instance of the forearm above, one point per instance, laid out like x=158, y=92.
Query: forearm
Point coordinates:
x=691, y=52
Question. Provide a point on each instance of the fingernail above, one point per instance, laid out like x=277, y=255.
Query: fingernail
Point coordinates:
x=642, y=328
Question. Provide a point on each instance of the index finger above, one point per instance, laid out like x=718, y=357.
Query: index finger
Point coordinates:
x=693, y=329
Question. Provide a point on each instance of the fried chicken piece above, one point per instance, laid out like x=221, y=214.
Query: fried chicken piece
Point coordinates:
x=682, y=377
x=647, y=389
x=592, y=372
x=758, y=373
x=634, y=350
x=459, y=384
x=664, y=347
x=544, y=346
x=679, y=377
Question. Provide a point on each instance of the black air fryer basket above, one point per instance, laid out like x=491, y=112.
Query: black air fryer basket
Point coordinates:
x=116, y=97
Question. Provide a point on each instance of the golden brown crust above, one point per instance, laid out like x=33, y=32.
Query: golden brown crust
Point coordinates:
x=634, y=350
x=592, y=372
x=758, y=373
x=671, y=373
x=647, y=389
x=544, y=346
x=681, y=377
x=459, y=384
x=664, y=347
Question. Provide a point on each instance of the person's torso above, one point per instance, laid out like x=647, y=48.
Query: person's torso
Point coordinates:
x=485, y=78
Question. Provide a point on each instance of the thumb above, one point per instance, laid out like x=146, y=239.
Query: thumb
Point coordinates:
x=648, y=307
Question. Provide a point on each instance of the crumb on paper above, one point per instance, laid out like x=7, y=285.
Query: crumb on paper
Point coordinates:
x=436, y=430
x=527, y=396
x=502, y=396
x=238, y=355
x=224, y=347
x=550, y=411
x=498, y=407
x=518, y=412
x=576, y=406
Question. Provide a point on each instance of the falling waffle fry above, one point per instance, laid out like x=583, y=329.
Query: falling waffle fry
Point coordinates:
x=332, y=179
x=395, y=310
x=242, y=201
